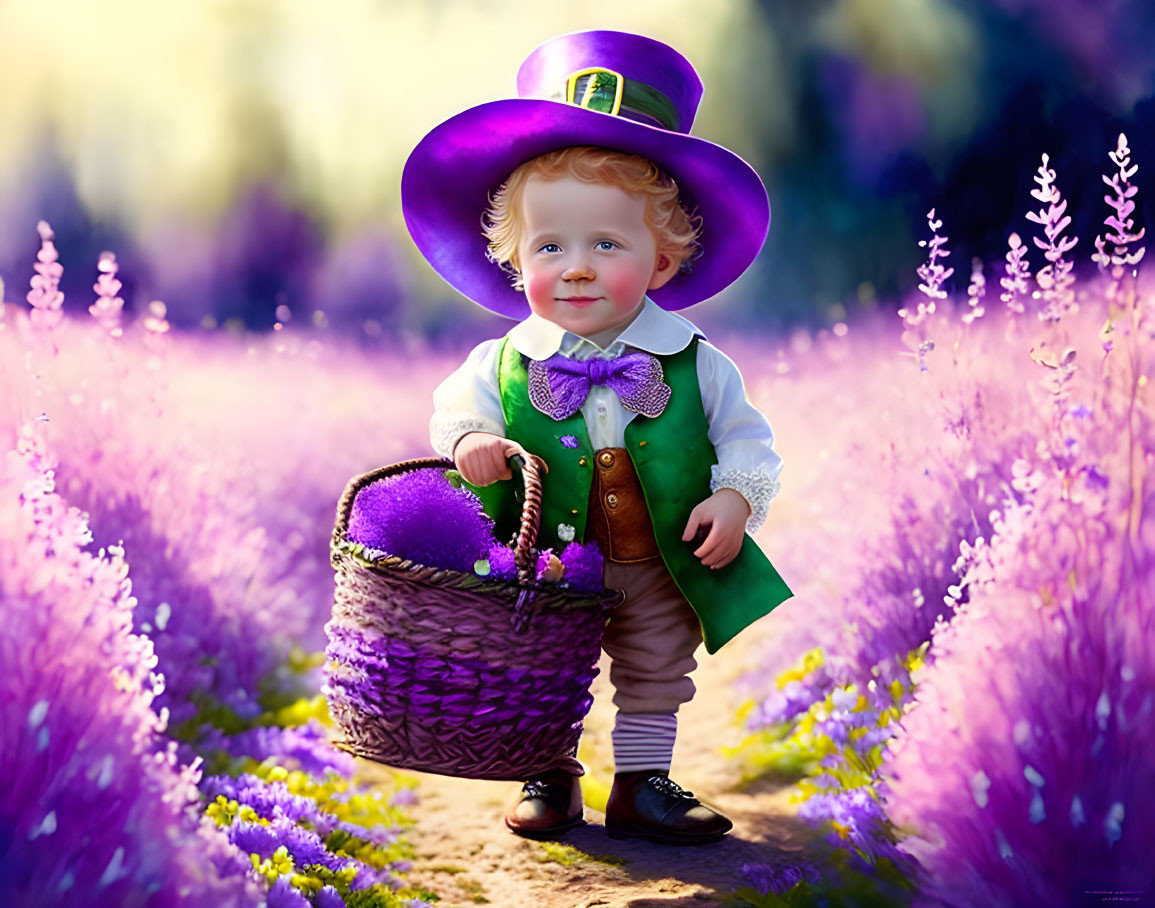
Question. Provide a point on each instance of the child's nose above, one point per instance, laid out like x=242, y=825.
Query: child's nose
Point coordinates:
x=578, y=271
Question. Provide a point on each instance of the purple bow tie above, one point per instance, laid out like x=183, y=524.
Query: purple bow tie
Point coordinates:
x=559, y=386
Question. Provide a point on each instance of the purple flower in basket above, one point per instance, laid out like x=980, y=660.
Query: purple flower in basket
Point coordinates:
x=543, y=558
x=501, y=563
x=418, y=515
x=583, y=567
x=503, y=566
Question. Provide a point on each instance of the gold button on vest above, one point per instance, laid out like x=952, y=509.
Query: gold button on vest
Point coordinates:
x=618, y=519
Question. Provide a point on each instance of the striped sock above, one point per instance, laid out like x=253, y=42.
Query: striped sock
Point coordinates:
x=644, y=741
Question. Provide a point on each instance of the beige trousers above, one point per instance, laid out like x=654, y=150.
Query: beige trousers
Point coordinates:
x=650, y=639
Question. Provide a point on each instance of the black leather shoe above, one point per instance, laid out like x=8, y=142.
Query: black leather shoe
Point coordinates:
x=649, y=805
x=549, y=805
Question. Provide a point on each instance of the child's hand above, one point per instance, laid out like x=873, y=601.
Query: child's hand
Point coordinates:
x=481, y=457
x=725, y=513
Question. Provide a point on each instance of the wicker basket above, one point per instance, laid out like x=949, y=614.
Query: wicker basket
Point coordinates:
x=445, y=672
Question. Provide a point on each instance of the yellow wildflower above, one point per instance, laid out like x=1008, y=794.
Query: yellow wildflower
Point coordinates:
x=810, y=662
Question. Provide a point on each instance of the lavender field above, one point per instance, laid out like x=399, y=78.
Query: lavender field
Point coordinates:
x=960, y=694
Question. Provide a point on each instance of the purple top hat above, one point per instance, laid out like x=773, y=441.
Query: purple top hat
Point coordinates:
x=604, y=88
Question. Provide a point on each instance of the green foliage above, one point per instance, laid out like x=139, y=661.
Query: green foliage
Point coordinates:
x=841, y=771
x=843, y=887
x=347, y=802
x=381, y=897
x=567, y=855
x=210, y=711
x=474, y=890
x=748, y=897
x=777, y=752
x=283, y=708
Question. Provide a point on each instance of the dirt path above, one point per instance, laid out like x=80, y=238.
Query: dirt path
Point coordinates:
x=467, y=856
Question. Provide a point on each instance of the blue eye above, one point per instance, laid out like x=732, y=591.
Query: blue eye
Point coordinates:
x=607, y=245
x=550, y=248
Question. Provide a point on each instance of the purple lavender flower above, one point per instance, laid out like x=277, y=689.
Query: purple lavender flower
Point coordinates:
x=568, y=441
x=779, y=877
x=786, y=702
x=1018, y=269
x=1055, y=278
x=931, y=272
x=182, y=582
x=156, y=326
x=303, y=844
x=254, y=838
x=45, y=297
x=975, y=292
x=377, y=835
x=394, y=515
x=223, y=580
x=302, y=829
x=108, y=306
x=328, y=897
x=305, y=747
x=95, y=806
x=1039, y=701
x=932, y=275
x=584, y=567
x=1121, y=226
x=272, y=800
x=403, y=797
x=282, y=894
x=857, y=819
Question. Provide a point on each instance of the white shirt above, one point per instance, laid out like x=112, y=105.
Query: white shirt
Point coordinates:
x=469, y=400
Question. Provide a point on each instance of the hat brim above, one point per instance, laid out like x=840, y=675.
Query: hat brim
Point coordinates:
x=449, y=177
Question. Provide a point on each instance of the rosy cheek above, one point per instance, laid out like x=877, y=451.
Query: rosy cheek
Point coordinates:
x=539, y=289
x=626, y=287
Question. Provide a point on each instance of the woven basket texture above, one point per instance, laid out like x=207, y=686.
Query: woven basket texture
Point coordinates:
x=426, y=670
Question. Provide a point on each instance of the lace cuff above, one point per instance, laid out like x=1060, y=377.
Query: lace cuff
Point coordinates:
x=446, y=431
x=755, y=486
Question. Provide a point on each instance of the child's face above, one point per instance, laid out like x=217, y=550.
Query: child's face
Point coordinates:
x=587, y=256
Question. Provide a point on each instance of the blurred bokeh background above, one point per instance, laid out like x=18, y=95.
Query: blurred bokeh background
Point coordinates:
x=244, y=155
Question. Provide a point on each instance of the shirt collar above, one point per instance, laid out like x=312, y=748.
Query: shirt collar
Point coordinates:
x=654, y=330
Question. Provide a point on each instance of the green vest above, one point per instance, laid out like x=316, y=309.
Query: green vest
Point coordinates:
x=672, y=455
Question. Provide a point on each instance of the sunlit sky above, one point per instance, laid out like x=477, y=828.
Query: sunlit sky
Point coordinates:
x=174, y=104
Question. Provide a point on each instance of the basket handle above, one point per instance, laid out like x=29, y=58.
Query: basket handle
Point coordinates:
x=532, y=468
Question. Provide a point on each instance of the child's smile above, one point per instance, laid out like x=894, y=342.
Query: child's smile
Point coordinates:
x=587, y=257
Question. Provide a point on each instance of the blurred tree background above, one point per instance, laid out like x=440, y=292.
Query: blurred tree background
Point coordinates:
x=242, y=157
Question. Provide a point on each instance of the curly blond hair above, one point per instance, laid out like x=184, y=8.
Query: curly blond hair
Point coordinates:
x=675, y=231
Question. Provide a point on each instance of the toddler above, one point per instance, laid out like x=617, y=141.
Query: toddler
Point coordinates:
x=584, y=209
